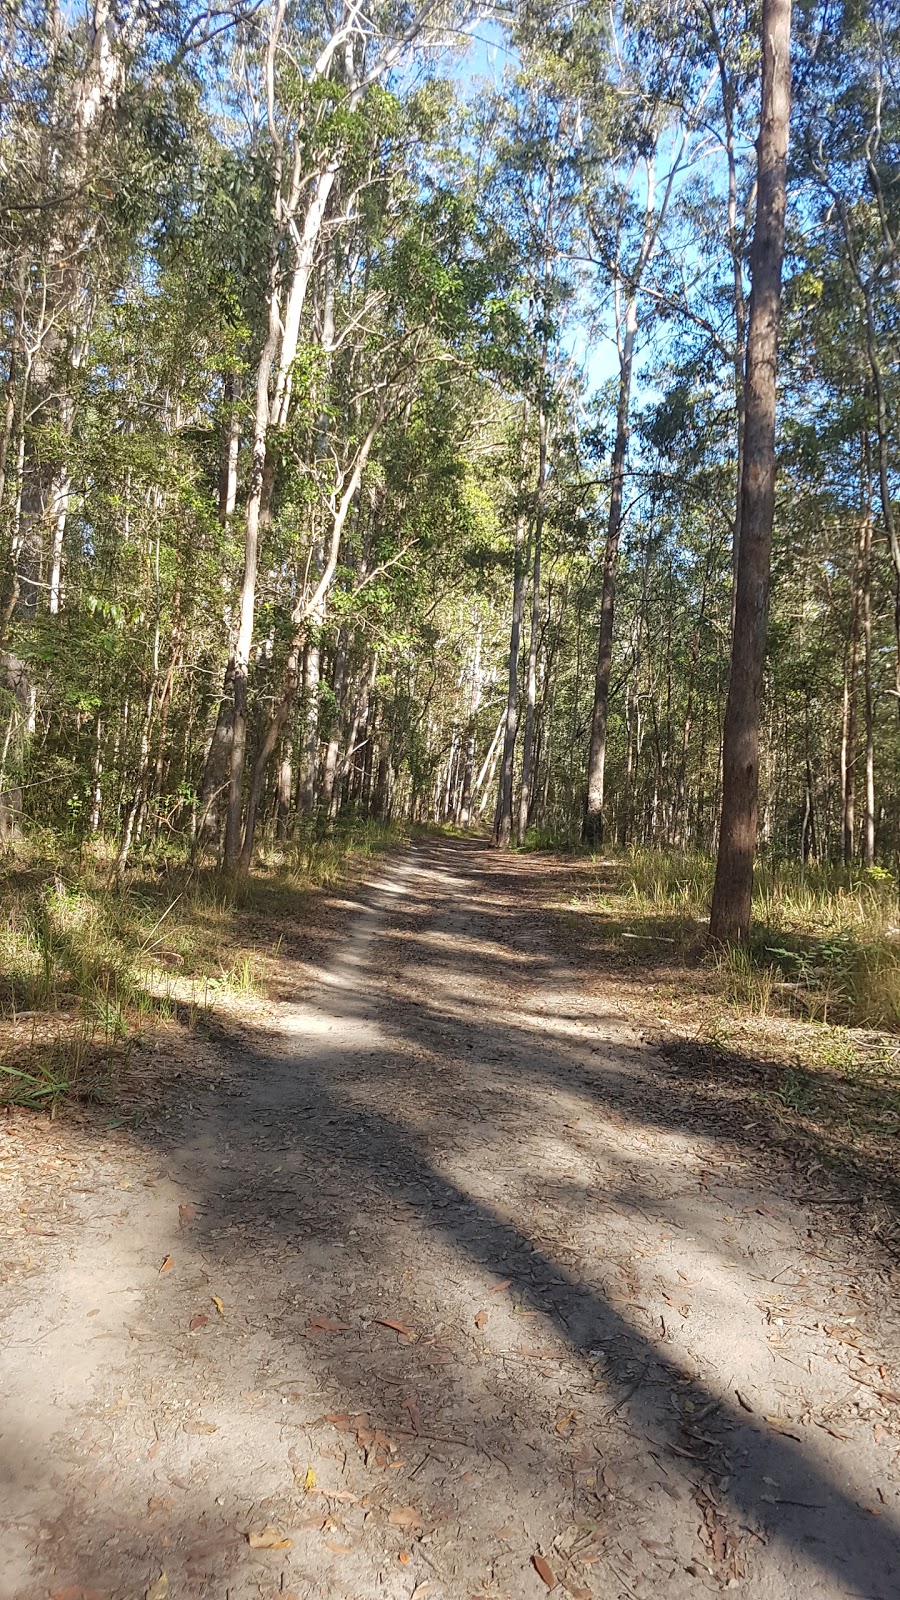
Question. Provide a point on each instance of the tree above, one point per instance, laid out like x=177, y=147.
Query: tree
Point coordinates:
x=730, y=917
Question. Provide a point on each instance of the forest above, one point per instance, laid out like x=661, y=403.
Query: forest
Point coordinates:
x=389, y=408
x=449, y=799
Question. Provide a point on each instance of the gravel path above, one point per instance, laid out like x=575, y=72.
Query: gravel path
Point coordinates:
x=429, y=1296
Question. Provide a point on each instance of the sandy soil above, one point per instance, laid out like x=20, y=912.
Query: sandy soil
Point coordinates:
x=422, y=1289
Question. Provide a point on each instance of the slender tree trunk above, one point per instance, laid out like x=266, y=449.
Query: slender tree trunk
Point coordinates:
x=468, y=776
x=533, y=638
x=596, y=774
x=308, y=612
x=485, y=780
x=332, y=749
x=310, y=723
x=285, y=791
x=504, y=815
x=247, y=612
x=869, y=822
x=730, y=918
x=848, y=720
x=503, y=820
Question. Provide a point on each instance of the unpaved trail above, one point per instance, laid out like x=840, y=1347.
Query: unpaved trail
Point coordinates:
x=448, y=1291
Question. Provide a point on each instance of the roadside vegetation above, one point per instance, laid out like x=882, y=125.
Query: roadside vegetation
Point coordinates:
x=88, y=969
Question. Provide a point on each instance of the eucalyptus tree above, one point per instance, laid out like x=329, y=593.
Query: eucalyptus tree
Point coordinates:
x=534, y=186
x=655, y=72
x=848, y=137
x=318, y=81
x=732, y=894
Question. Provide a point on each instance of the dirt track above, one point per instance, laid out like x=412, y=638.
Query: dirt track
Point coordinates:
x=434, y=1288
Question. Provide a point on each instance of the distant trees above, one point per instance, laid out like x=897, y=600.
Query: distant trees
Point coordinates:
x=370, y=434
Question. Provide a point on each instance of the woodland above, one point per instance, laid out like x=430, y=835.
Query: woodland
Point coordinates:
x=388, y=410
x=449, y=799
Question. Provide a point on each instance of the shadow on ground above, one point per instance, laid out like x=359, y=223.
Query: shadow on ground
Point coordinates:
x=384, y=1157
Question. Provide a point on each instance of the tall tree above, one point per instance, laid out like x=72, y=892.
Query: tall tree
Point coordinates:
x=733, y=890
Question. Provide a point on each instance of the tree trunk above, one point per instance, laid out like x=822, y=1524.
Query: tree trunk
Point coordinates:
x=309, y=753
x=533, y=638
x=247, y=612
x=332, y=749
x=285, y=791
x=730, y=917
x=503, y=819
x=593, y=813
x=468, y=776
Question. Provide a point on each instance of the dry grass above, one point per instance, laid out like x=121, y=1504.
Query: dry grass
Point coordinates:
x=825, y=941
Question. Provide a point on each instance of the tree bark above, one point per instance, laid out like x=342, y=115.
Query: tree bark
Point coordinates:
x=732, y=894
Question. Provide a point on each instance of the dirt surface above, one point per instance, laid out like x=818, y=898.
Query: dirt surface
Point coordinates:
x=422, y=1288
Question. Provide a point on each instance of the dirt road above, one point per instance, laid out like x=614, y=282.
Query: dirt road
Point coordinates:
x=431, y=1295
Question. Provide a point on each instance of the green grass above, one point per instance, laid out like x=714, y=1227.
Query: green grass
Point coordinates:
x=824, y=942
x=86, y=966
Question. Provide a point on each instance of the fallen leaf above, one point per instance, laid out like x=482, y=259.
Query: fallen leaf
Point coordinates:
x=481, y=1320
x=310, y=1481
x=167, y=1265
x=200, y=1427
x=339, y=1494
x=339, y=1549
x=198, y=1321
x=500, y=1286
x=186, y=1213
x=269, y=1539
x=544, y=1571
x=420, y=1591
x=218, y=1304
x=327, y=1325
x=404, y=1557
x=404, y=1517
x=159, y=1589
x=397, y=1327
x=564, y=1422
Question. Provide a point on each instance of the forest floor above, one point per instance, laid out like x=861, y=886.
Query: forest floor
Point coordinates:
x=429, y=1275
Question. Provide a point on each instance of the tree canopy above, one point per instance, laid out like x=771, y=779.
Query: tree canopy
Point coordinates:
x=364, y=371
